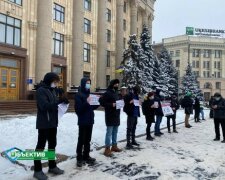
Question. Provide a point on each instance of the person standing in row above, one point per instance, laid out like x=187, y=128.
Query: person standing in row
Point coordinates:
x=175, y=106
x=133, y=112
x=47, y=121
x=197, y=110
x=202, y=110
x=148, y=109
x=218, y=107
x=85, y=113
x=158, y=113
x=187, y=104
x=112, y=117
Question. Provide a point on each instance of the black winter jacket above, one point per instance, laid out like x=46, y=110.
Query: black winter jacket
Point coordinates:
x=47, y=107
x=83, y=109
x=129, y=108
x=219, y=112
x=148, y=111
x=112, y=115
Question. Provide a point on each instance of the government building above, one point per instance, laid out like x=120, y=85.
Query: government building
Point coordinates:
x=206, y=54
x=74, y=38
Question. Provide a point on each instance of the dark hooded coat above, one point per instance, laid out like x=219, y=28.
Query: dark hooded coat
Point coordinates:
x=112, y=115
x=83, y=109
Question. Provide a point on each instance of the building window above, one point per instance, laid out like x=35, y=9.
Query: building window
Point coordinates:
x=10, y=30
x=218, y=53
x=86, y=74
x=87, y=5
x=87, y=52
x=208, y=85
x=109, y=15
x=196, y=53
x=197, y=64
x=125, y=7
x=124, y=43
x=59, y=13
x=177, y=53
x=193, y=64
x=207, y=53
x=218, y=85
x=58, y=43
x=124, y=25
x=108, y=36
x=178, y=63
x=218, y=75
x=108, y=57
x=87, y=26
x=206, y=64
x=107, y=80
x=206, y=74
x=171, y=53
x=207, y=96
x=19, y=2
x=196, y=73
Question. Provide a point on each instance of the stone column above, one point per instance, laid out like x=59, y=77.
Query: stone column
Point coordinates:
x=77, y=43
x=133, y=18
x=119, y=33
x=101, y=45
x=44, y=39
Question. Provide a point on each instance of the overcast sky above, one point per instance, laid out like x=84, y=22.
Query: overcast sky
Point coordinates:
x=172, y=16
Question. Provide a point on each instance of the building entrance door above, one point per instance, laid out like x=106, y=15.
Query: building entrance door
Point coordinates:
x=9, y=83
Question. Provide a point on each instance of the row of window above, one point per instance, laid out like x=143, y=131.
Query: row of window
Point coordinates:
x=206, y=74
x=207, y=53
x=196, y=53
x=209, y=85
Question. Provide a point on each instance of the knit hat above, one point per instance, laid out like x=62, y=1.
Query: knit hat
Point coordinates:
x=188, y=94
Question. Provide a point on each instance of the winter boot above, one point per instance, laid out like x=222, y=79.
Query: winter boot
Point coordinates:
x=216, y=139
x=56, y=171
x=108, y=152
x=115, y=148
x=89, y=160
x=40, y=175
x=134, y=143
x=149, y=138
x=80, y=163
x=175, y=131
x=223, y=141
x=129, y=146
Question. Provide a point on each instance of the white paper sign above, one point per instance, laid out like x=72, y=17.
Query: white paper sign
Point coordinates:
x=94, y=100
x=136, y=102
x=62, y=108
x=167, y=110
x=119, y=104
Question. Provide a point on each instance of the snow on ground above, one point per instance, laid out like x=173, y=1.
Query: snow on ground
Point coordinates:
x=191, y=154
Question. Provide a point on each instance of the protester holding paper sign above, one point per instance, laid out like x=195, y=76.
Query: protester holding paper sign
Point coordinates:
x=112, y=117
x=175, y=106
x=133, y=112
x=85, y=113
x=48, y=99
x=158, y=113
x=148, y=109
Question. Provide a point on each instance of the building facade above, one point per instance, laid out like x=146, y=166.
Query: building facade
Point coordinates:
x=74, y=38
x=205, y=54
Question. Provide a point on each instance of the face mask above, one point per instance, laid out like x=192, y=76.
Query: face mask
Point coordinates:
x=152, y=97
x=53, y=85
x=217, y=98
x=88, y=86
x=116, y=88
x=161, y=94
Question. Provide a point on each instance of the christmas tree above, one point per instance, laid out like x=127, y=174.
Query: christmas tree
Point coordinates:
x=190, y=83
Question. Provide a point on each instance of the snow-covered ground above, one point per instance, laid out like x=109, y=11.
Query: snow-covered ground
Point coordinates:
x=191, y=154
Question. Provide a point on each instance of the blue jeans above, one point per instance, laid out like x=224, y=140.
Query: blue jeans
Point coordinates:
x=157, y=124
x=111, y=134
x=202, y=113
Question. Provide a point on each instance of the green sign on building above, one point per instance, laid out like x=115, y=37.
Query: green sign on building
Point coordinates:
x=189, y=31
